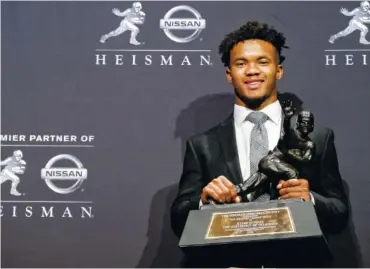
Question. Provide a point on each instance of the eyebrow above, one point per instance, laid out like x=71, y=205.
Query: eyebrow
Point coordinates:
x=242, y=58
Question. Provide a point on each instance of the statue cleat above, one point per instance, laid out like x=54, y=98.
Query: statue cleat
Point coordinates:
x=134, y=42
x=15, y=193
x=365, y=42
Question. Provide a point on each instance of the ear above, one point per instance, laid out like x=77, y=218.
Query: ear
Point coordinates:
x=228, y=75
x=279, y=72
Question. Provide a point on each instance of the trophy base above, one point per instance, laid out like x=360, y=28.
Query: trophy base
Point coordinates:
x=269, y=234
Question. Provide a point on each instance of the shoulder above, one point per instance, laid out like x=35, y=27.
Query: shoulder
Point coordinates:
x=322, y=130
x=322, y=137
x=322, y=133
x=211, y=134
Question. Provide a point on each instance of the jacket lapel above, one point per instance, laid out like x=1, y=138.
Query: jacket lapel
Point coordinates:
x=227, y=140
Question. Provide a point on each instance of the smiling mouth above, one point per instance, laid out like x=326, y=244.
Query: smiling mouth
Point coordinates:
x=253, y=84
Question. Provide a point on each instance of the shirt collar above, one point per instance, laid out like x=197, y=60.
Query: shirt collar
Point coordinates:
x=273, y=111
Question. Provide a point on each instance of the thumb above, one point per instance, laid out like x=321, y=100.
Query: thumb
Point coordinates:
x=238, y=199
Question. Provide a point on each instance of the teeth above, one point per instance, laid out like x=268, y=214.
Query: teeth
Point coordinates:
x=254, y=84
x=257, y=81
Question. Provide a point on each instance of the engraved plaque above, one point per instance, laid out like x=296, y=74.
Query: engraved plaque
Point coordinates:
x=250, y=223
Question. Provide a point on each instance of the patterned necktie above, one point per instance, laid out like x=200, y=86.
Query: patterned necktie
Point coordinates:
x=258, y=139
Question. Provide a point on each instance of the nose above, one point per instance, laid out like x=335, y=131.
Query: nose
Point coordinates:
x=252, y=69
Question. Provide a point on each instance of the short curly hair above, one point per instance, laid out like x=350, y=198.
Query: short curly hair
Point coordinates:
x=252, y=30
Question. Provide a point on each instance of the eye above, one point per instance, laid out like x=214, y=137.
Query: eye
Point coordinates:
x=239, y=64
x=263, y=62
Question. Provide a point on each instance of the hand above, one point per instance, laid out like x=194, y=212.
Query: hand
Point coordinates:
x=344, y=11
x=116, y=11
x=221, y=190
x=294, y=188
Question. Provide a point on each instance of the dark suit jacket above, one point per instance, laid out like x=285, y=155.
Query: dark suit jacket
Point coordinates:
x=214, y=153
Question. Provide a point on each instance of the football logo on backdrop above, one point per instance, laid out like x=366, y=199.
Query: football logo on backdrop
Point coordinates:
x=14, y=166
x=132, y=16
x=169, y=24
x=360, y=16
x=51, y=173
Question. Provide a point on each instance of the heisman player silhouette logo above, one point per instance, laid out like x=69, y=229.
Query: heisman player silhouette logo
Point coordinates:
x=13, y=165
x=132, y=16
x=360, y=16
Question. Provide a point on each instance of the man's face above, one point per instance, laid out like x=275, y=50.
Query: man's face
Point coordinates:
x=305, y=125
x=253, y=70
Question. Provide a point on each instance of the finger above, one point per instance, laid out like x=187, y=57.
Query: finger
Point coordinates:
x=280, y=184
x=230, y=186
x=304, y=182
x=220, y=191
x=207, y=192
x=237, y=199
x=284, y=191
x=211, y=191
x=291, y=183
x=233, y=194
x=293, y=195
x=296, y=182
x=224, y=193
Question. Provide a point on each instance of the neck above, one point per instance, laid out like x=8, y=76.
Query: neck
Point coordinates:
x=257, y=104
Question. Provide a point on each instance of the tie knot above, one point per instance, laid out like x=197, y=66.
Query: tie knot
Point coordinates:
x=257, y=117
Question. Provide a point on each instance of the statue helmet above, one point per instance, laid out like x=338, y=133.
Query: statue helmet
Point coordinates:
x=137, y=5
x=365, y=5
x=18, y=153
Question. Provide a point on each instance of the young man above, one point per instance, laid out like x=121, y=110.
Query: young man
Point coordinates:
x=227, y=154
